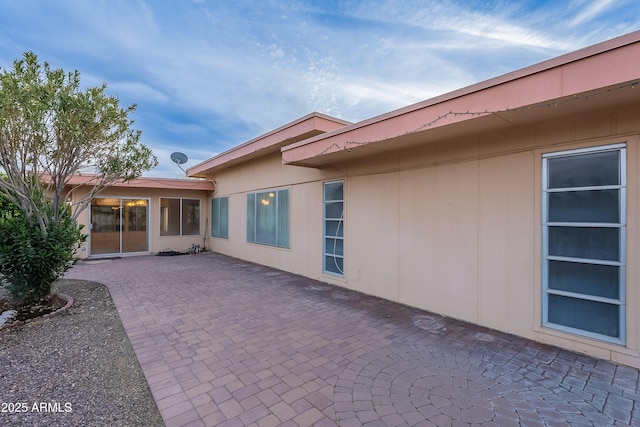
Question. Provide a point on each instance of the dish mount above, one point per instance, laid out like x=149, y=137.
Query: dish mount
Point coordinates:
x=179, y=159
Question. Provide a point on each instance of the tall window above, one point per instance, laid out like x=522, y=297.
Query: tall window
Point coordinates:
x=220, y=217
x=268, y=218
x=584, y=231
x=179, y=217
x=333, y=228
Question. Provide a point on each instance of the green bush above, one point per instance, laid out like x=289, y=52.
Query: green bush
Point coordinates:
x=7, y=209
x=32, y=260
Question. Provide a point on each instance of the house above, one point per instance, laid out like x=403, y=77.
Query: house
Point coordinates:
x=142, y=216
x=512, y=203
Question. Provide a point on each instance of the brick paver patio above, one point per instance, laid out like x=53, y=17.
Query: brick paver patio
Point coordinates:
x=225, y=342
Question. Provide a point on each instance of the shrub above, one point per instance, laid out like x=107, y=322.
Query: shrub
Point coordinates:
x=32, y=260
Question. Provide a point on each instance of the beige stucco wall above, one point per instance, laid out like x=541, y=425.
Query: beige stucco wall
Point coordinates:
x=453, y=227
x=157, y=243
x=305, y=192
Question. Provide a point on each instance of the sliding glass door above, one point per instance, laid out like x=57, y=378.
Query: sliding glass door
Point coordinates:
x=119, y=225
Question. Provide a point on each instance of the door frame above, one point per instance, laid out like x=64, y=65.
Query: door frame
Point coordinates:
x=120, y=253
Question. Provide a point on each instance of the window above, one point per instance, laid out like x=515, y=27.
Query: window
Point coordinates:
x=333, y=228
x=584, y=231
x=179, y=217
x=220, y=217
x=268, y=218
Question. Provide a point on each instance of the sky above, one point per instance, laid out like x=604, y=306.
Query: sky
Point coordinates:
x=207, y=75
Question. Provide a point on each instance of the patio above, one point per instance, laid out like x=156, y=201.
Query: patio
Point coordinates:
x=225, y=342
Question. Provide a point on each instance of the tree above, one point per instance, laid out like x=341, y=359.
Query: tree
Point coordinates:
x=7, y=209
x=50, y=130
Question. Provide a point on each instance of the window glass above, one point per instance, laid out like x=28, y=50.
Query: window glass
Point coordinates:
x=591, y=316
x=333, y=264
x=268, y=218
x=333, y=228
x=333, y=210
x=585, y=170
x=190, y=217
x=169, y=217
x=590, y=279
x=220, y=217
x=333, y=191
x=179, y=217
x=251, y=217
x=334, y=246
x=585, y=206
x=283, y=219
x=583, y=241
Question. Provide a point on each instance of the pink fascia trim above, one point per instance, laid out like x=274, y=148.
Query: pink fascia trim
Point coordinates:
x=149, y=182
x=611, y=62
x=313, y=122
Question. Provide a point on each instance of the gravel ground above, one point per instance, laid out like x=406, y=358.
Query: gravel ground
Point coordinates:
x=76, y=368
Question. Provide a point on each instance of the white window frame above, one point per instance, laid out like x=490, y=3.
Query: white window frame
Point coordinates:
x=621, y=226
x=330, y=252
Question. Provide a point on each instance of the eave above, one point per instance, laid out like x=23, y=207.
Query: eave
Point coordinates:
x=148, y=182
x=306, y=127
x=580, y=82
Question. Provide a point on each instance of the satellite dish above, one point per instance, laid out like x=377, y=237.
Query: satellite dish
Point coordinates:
x=179, y=159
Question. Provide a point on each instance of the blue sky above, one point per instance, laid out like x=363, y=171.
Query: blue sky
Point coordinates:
x=210, y=74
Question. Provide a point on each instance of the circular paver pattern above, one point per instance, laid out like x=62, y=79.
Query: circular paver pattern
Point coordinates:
x=409, y=384
x=428, y=323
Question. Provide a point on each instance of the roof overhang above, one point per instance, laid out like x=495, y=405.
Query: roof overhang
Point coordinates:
x=304, y=128
x=147, y=182
x=581, y=82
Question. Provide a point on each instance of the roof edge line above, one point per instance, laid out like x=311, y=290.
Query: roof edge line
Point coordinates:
x=546, y=65
x=194, y=169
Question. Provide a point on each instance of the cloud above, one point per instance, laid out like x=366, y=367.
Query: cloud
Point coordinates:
x=139, y=91
x=208, y=75
x=459, y=24
x=590, y=11
x=166, y=167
